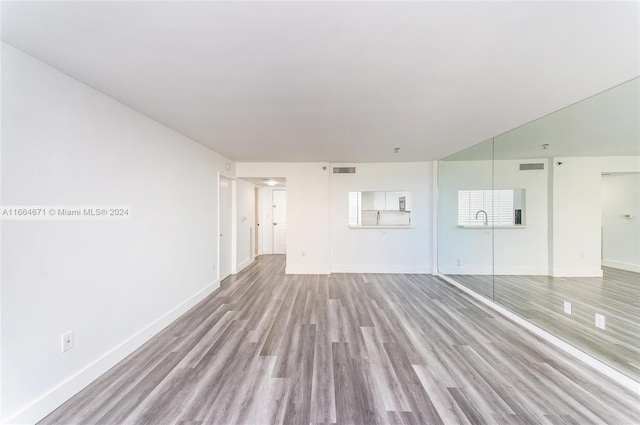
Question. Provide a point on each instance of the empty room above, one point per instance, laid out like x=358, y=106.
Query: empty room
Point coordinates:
x=320, y=212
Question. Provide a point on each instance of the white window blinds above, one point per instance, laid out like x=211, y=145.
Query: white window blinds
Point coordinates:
x=353, y=208
x=497, y=204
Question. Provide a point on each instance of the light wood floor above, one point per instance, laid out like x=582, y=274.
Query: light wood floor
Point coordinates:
x=270, y=348
x=540, y=300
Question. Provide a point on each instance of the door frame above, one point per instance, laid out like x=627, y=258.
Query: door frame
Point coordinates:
x=230, y=227
x=273, y=226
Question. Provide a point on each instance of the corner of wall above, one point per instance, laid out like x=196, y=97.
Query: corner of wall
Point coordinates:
x=244, y=264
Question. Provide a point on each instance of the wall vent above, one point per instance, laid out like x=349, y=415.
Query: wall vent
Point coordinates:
x=344, y=170
x=532, y=166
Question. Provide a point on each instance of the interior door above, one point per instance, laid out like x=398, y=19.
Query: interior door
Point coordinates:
x=224, y=229
x=256, y=231
x=279, y=221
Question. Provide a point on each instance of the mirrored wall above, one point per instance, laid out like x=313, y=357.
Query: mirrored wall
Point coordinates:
x=544, y=220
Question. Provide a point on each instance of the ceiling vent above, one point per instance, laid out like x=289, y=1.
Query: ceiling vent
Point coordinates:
x=532, y=166
x=344, y=170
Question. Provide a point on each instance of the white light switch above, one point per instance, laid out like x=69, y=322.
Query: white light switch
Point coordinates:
x=600, y=321
x=567, y=307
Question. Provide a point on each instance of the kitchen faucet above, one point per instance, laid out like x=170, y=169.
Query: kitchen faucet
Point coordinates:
x=486, y=219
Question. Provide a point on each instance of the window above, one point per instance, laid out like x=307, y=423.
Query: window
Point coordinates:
x=498, y=205
x=353, y=208
x=379, y=209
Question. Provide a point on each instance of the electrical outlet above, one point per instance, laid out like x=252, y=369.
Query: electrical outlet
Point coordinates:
x=457, y=263
x=600, y=321
x=67, y=341
x=567, y=307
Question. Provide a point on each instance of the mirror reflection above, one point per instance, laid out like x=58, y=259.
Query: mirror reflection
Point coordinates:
x=498, y=207
x=572, y=265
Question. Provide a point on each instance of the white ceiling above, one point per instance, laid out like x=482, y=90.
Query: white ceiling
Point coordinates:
x=280, y=182
x=607, y=124
x=335, y=81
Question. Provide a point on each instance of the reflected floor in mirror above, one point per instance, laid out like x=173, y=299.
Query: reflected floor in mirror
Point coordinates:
x=540, y=299
x=270, y=348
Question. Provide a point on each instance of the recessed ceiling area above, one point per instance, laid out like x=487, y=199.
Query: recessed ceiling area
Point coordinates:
x=335, y=81
x=275, y=182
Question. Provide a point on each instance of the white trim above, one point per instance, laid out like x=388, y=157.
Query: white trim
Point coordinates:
x=521, y=271
x=375, y=268
x=622, y=266
x=560, y=272
x=243, y=265
x=234, y=226
x=479, y=271
x=308, y=270
x=230, y=231
x=490, y=227
x=596, y=364
x=383, y=227
x=55, y=397
x=499, y=271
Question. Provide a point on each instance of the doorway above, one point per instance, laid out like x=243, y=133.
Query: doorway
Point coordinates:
x=279, y=221
x=256, y=230
x=224, y=228
x=620, y=238
x=270, y=226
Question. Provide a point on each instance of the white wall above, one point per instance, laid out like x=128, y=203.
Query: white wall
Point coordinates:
x=577, y=211
x=563, y=217
x=523, y=250
x=114, y=283
x=462, y=251
x=245, y=219
x=405, y=250
x=470, y=251
x=308, y=204
x=2, y=412
x=577, y=216
x=621, y=235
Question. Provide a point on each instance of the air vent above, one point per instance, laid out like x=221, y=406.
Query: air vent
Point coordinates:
x=533, y=166
x=344, y=170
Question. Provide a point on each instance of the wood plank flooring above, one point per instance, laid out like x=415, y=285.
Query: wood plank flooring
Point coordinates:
x=270, y=348
x=539, y=299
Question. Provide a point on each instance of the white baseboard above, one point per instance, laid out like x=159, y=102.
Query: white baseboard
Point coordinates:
x=501, y=271
x=375, y=268
x=622, y=266
x=596, y=364
x=486, y=271
x=52, y=399
x=467, y=270
x=307, y=270
x=521, y=271
x=559, y=272
x=244, y=264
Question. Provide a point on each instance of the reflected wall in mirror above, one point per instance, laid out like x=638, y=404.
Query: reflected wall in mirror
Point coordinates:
x=620, y=224
x=463, y=252
x=579, y=242
x=378, y=208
